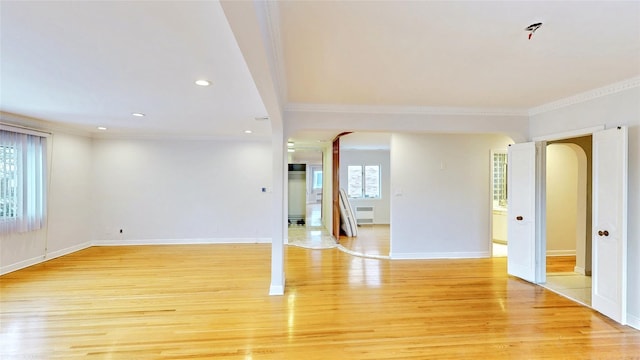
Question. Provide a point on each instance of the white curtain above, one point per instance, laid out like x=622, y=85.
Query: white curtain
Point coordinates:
x=22, y=182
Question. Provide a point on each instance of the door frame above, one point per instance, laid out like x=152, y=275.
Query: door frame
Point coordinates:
x=542, y=209
x=541, y=267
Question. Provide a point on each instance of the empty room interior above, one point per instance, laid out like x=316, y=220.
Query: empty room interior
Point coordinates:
x=319, y=179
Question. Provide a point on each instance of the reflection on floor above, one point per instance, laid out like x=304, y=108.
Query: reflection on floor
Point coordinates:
x=563, y=280
x=314, y=214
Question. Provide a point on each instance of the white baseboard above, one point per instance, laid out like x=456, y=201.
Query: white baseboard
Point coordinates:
x=67, y=251
x=124, y=242
x=580, y=270
x=277, y=289
x=633, y=321
x=21, y=264
x=42, y=258
x=561, y=252
x=443, y=255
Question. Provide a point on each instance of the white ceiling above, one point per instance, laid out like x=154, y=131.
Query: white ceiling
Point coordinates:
x=94, y=63
x=455, y=53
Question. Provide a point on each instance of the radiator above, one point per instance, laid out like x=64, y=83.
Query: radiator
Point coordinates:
x=364, y=215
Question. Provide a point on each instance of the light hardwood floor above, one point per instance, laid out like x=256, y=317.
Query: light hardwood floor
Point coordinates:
x=372, y=240
x=211, y=302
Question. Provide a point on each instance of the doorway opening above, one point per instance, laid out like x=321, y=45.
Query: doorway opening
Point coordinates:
x=568, y=218
x=365, y=175
x=608, y=214
x=305, y=199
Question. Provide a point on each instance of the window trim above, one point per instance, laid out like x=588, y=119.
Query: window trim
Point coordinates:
x=363, y=184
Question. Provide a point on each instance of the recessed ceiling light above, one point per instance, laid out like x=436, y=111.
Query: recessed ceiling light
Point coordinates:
x=137, y=114
x=102, y=128
x=203, y=82
x=248, y=131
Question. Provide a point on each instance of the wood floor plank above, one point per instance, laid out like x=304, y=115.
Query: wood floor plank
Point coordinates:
x=372, y=240
x=561, y=264
x=211, y=302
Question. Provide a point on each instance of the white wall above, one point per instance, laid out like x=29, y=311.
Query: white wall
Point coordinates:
x=68, y=227
x=370, y=157
x=620, y=108
x=177, y=191
x=562, y=200
x=441, y=194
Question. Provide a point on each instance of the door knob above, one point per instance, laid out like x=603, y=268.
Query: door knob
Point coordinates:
x=519, y=218
x=603, y=233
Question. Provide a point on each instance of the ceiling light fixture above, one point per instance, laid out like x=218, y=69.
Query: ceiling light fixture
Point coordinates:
x=203, y=82
x=248, y=131
x=532, y=29
x=137, y=114
x=291, y=150
x=102, y=128
x=290, y=144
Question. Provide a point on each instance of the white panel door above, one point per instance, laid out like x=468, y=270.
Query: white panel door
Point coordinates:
x=609, y=273
x=521, y=223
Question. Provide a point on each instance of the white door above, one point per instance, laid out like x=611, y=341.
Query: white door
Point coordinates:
x=521, y=222
x=609, y=275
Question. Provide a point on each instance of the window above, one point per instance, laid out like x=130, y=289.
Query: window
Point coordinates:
x=22, y=181
x=500, y=179
x=363, y=181
x=317, y=179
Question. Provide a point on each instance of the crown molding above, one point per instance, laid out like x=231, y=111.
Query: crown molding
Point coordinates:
x=253, y=138
x=41, y=125
x=404, y=110
x=587, y=95
x=50, y=127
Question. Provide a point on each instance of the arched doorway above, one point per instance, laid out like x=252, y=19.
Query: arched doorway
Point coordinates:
x=568, y=218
